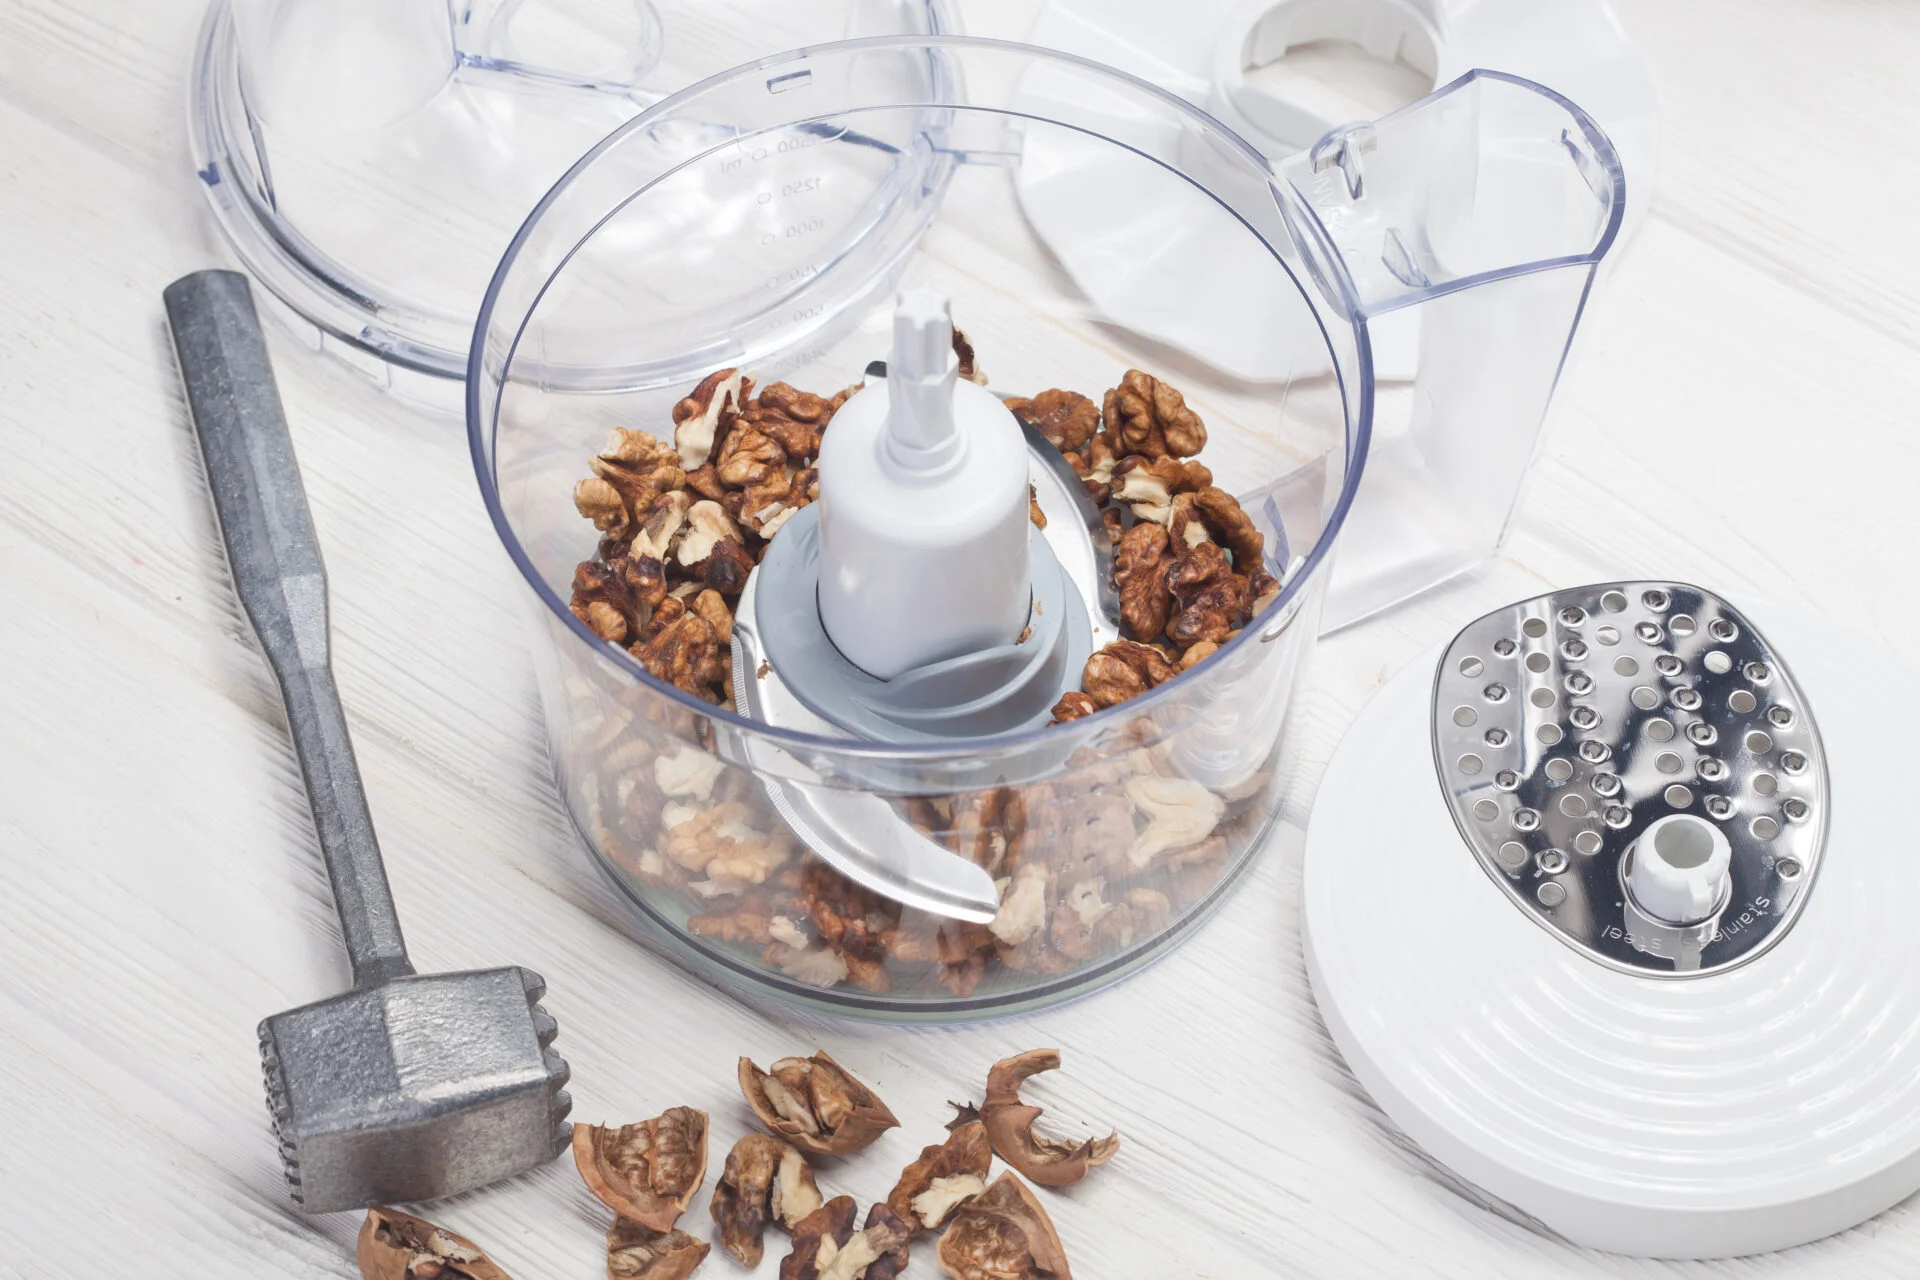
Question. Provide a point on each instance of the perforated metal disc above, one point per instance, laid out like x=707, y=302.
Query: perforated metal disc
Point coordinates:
x=1564, y=725
x=1767, y=1102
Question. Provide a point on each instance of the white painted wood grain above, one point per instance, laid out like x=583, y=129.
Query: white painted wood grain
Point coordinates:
x=1741, y=415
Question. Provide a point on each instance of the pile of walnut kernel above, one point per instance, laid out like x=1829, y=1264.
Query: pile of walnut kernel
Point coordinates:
x=649, y=1172
x=1189, y=563
x=1110, y=851
x=682, y=524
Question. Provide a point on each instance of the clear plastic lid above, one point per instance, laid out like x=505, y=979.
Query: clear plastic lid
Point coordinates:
x=369, y=160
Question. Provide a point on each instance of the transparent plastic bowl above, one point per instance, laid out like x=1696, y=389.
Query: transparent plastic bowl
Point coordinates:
x=764, y=219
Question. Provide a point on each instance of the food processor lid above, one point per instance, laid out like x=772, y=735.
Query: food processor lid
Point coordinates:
x=369, y=160
x=1203, y=50
x=1541, y=1016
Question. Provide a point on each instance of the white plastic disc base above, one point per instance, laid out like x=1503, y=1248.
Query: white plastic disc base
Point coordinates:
x=1737, y=1113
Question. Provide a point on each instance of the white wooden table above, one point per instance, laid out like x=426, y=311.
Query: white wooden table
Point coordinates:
x=1741, y=416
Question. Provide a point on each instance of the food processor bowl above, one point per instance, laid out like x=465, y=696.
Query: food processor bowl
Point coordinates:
x=764, y=221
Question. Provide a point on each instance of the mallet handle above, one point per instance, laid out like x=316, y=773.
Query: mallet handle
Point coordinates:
x=275, y=558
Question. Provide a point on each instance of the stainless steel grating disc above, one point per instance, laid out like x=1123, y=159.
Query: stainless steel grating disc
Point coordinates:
x=1565, y=725
x=1736, y=1070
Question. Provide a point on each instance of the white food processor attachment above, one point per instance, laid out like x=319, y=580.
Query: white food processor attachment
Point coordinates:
x=911, y=602
x=368, y=160
x=923, y=509
x=1414, y=524
x=1642, y=864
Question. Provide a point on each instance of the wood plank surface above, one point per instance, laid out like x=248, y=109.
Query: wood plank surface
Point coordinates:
x=1740, y=415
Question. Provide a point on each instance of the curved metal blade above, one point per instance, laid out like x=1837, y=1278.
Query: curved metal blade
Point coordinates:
x=857, y=833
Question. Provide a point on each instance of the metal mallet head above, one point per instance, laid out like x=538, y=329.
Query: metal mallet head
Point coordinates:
x=407, y=1087
x=414, y=1088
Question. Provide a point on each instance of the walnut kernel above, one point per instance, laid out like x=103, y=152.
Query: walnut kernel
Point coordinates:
x=1212, y=598
x=1147, y=416
x=1124, y=669
x=1142, y=564
x=817, y=1238
x=1066, y=418
x=698, y=418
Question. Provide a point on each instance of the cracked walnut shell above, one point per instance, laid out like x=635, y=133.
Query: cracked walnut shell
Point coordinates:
x=945, y=1177
x=1009, y=1123
x=649, y=1171
x=1003, y=1234
x=398, y=1246
x=635, y=1252
x=765, y=1180
x=815, y=1105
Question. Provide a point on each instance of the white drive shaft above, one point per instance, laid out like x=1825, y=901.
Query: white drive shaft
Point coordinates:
x=923, y=508
x=1682, y=866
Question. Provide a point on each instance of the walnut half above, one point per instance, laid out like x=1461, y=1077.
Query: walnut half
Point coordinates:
x=1146, y=416
x=648, y=1171
x=1124, y=669
x=1009, y=1123
x=814, y=1104
x=397, y=1246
